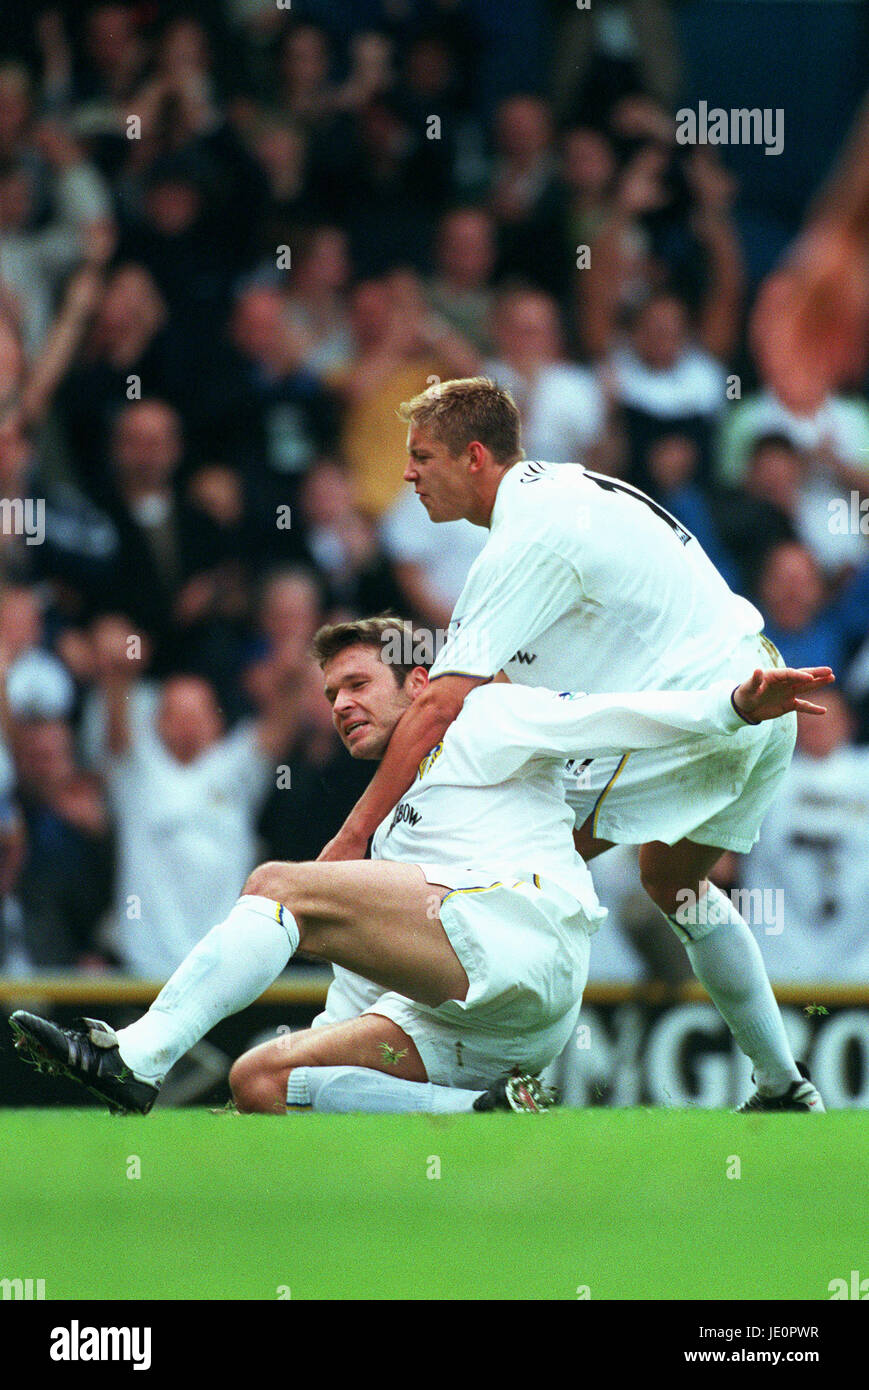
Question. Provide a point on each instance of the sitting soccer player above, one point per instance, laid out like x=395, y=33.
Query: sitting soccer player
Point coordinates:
x=471, y=921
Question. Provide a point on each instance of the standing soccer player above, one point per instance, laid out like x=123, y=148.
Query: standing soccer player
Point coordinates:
x=586, y=583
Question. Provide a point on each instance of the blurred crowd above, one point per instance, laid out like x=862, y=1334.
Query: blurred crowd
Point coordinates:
x=232, y=239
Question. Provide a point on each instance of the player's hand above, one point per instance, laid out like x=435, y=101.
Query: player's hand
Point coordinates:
x=344, y=845
x=768, y=694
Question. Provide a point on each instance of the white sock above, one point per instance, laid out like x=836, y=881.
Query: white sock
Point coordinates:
x=227, y=970
x=727, y=961
x=349, y=1090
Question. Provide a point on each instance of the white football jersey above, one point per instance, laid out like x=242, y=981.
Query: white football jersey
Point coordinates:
x=586, y=583
x=815, y=853
x=489, y=797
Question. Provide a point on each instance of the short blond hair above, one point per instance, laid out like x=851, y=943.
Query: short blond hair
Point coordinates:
x=467, y=409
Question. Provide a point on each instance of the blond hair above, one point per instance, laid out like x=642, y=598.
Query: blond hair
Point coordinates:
x=470, y=408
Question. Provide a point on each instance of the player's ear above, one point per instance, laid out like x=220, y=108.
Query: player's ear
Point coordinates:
x=477, y=454
x=416, y=681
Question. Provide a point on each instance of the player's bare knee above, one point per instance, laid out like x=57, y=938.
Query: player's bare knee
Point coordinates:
x=239, y=1074
x=663, y=892
x=660, y=885
x=272, y=880
x=253, y=1088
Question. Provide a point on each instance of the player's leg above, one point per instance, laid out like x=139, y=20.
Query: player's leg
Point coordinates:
x=377, y=918
x=363, y=1064
x=588, y=846
x=526, y=948
x=724, y=955
x=669, y=872
x=681, y=801
x=395, y=938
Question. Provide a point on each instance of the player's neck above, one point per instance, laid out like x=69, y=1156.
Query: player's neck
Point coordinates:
x=487, y=496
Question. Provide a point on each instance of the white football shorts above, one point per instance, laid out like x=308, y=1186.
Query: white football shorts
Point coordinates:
x=525, y=949
x=713, y=790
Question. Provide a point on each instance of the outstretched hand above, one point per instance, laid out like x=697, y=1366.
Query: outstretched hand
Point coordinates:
x=768, y=694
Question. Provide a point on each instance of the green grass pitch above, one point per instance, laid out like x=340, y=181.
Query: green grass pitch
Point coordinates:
x=632, y=1204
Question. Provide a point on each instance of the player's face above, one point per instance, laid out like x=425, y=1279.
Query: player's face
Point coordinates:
x=367, y=701
x=442, y=482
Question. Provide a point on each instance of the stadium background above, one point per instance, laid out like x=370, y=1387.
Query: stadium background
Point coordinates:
x=232, y=238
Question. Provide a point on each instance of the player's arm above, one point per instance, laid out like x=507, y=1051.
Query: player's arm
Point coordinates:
x=651, y=717
x=416, y=733
x=535, y=722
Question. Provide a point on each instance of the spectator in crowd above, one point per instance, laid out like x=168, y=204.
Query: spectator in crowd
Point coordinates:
x=587, y=172
x=433, y=95
x=670, y=472
x=343, y=543
x=460, y=289
x=316, y=305
x=35, y=260
x=36, y=681
x=563, y=408
x=128, y=347
x=184, y=794
x=602, y=50
x=114, y=58
x=524, y=196
x=811, y=865
x=836, y=435
x=325, y=782
x=401, y=348
x=660, y=372
x=305, y=91
x=64, y=884
x=56, y=852
x=390, y=191
x=290, y=207
x=801, y=617
x=280, y=416
x=288, y=611
x=643, y=246
x=799, y=484
x=167, y=564
x=430, y=561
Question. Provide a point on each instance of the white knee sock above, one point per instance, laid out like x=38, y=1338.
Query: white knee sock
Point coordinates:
x=227, y=970
x=727, y=961
x=349, y=1090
